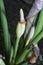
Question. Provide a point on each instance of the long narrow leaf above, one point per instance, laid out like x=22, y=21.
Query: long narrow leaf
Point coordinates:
x=38, y=37
x=5, y=27
x=39, y=24
x=11, y=54
x=2, y=6
x=23, y=56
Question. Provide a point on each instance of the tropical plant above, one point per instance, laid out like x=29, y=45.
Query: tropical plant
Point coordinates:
x=15, y=55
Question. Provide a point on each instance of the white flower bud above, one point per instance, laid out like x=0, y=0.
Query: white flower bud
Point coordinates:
x=28, y=25
x=21, y=15
x=2, y=62
x=21, y=25
x=30, y=35
x=20, y=29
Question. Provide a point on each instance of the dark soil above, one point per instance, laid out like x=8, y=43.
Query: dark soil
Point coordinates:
x=12, y=12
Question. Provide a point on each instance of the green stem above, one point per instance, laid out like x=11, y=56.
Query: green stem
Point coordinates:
x=16, y=48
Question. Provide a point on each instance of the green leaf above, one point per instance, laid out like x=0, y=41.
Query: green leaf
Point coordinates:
x=22, y=56
x=25, y=63
x=2, y=6
x=5, y=30
x=5, y=27
x=39, y=24
x=11, y=54
x=37, y=38
x=2, y=62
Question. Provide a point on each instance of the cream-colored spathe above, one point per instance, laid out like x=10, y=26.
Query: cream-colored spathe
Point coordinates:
x=21, y=25
x=30, y=36
x=1, y=62
x=20, y=29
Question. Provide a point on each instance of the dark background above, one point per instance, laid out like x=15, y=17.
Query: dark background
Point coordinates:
x=12, y=12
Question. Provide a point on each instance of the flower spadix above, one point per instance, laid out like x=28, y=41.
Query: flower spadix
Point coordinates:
x=21, y=25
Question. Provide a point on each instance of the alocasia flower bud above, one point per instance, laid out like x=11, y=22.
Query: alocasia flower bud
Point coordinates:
x=30, y=36
x=21, y=25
